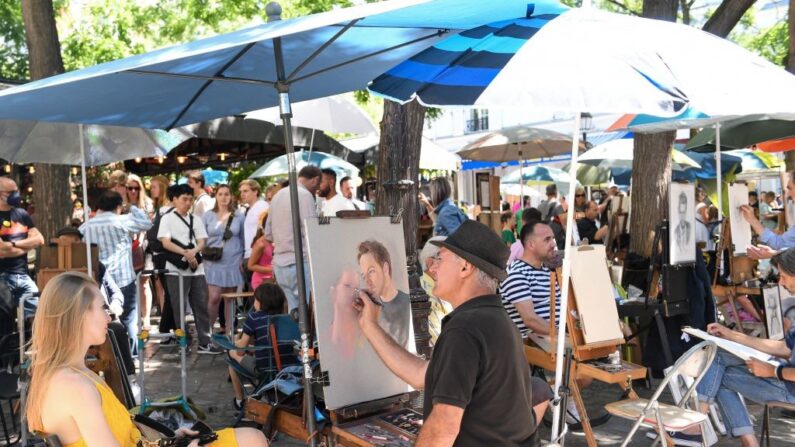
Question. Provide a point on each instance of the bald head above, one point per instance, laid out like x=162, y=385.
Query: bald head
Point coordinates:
x=6, y=184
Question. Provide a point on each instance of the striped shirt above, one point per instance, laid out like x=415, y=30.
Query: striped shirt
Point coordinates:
x=113, y=234
x=525, y=282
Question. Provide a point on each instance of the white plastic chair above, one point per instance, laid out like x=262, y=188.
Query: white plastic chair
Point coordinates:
x=665, y=418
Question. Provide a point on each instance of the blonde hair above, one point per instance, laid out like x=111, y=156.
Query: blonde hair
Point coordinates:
x=142, y=196
x=252, y=184
x=117, y=177
x=57, y=334
x=164, y=183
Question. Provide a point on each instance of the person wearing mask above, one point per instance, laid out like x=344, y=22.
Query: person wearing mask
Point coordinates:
x=136, y=195
x=18, y=235
x=111, y=230
x=279, y=230
x=446, y=216
x=202, y=202
x=255, y=207
x=184, y=236
x=224, y=225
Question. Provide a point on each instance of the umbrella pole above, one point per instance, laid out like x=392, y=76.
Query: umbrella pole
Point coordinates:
x=718, y=170
x=283, y=87
x=85, y=197
x=564, y=285
x=521, y=182
x=311, y=146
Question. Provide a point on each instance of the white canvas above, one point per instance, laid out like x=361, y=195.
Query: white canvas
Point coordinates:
x=593, y=292
x=625, y=203
x=682, y=221
x=741, y=229
x=775, y=326
x=355, y=371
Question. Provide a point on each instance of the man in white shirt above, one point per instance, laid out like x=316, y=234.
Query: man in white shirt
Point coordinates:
x=328, y=190
x=183, y=237
x=279, y=230
x=202, y=202
x=346, y=190
x=256, y=206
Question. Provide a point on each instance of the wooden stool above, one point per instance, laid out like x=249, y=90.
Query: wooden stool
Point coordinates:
x=764, y=437
x=229, y=300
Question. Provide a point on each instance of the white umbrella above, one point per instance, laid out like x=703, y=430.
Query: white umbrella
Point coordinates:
x=332, y=114
x=436, y=158
x=278, y=166
x=88, y=145
x=619, y=154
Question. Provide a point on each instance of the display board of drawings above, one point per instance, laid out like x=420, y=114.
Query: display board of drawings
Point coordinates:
x=345, y=256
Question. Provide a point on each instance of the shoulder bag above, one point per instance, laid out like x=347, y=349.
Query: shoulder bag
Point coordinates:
x=215, y=253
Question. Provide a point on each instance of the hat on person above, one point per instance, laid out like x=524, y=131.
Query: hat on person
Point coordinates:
x=480, y=246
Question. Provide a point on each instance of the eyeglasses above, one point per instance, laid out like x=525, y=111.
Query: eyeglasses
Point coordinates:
x=133, y=188
x=579, y=195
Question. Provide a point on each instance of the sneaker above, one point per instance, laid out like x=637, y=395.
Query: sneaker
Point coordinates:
x=208, y=349
x=169, y=342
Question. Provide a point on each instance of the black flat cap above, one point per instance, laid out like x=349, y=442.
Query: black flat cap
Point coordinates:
x=480, y=246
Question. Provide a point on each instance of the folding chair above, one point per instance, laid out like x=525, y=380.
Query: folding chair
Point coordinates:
x=764, y=436
x=662, y=417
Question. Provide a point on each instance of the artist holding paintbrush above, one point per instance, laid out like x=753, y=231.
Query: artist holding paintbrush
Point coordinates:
x=478, y=389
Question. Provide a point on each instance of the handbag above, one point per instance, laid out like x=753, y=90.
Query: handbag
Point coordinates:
x=155, y=434
x=215, y=253
x=137, y=255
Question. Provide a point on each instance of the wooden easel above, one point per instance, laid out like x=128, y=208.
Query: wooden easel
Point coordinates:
x=582, y=352
x=618, y=226
x=63, y=256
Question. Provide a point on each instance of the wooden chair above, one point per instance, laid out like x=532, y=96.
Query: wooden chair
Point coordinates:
x=764, y=436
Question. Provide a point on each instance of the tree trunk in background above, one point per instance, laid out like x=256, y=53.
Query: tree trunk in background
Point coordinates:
x=725, y=18
x=789, y=156
x=398, y=174
x=651, y=165
x=51, y=188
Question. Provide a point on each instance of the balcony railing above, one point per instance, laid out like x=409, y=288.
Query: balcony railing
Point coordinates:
x=477, y=124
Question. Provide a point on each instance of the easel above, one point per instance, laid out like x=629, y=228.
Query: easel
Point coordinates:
x=740, y=271
x=582, y=353
x=63, y=256
x=618, y=226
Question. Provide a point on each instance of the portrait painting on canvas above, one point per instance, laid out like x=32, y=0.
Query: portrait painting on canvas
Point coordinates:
x=347, y=256
x=682, y=221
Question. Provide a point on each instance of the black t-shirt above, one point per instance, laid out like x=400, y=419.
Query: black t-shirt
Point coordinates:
x=478, y=364
x=587, y=229
x=14, y=226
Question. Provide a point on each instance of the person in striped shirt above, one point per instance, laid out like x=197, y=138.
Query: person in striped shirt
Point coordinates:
x=112, y=231
x=526, y=291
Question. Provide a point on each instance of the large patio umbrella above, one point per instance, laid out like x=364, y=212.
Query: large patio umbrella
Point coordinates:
x=551, y=60
x=538, y=175
x=279, y=166
x=742, y=133
x=264, y=66
x=87, y=145
x=332, y=114
x=617, y=154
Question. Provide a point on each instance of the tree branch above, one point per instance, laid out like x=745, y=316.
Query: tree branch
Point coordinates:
x=624, y=7
x=726, y=17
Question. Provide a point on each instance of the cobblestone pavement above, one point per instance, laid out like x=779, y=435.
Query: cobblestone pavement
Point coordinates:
x=208, y=386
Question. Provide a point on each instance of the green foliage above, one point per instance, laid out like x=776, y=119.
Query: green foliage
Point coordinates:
x=772, y=43
x=13, y=50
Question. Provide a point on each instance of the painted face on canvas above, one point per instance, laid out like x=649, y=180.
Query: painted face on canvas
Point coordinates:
x=375, y=275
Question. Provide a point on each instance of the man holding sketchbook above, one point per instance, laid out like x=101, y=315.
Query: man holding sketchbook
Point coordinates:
x=767, y=374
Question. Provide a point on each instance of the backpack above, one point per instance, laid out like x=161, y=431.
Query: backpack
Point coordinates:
x=154, y=244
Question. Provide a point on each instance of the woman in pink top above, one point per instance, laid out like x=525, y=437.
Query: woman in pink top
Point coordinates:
x=260, y=262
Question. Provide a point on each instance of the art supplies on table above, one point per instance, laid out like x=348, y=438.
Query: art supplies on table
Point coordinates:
x=398, y=428
x=406, y=420
x=741, y=351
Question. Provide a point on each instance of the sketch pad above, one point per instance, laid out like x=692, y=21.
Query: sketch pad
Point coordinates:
x=593, y=293
x=741, y=351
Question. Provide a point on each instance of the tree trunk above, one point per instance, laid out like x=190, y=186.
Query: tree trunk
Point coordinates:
x=725, y=18
x=651, y=165
x=789, y=156
x=51, y=188
x=397, y=172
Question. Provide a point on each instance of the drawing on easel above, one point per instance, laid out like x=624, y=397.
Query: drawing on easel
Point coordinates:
x=740, y=228
x=620, y=204
x=345, y=256
x=682, y=218
x=775, y=324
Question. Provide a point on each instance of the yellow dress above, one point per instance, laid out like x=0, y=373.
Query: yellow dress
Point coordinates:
x=122, y=427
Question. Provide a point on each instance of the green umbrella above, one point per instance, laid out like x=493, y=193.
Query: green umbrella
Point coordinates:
x=589, y=175
x=742, y=133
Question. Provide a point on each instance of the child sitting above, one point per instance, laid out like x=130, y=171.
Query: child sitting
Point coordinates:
x=269, y=300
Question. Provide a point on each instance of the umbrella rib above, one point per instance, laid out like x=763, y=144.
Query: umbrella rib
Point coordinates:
x=207, y=83
x=438, y=33
x=325, y=45
x=204, y=78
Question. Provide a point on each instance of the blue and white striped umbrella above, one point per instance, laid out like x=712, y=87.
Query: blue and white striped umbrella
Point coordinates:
x=572, y=60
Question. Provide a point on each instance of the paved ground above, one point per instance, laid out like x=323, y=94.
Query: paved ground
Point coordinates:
x=209, y=387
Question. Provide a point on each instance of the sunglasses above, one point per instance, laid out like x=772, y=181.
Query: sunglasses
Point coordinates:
x=579, y=195
x=133, y=188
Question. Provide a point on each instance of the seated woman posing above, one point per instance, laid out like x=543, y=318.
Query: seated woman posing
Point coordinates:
x=269, y=300
x=66, y=398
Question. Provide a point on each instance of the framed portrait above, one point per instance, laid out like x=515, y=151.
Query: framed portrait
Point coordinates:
x=740, y=228
x=345, y=256
x=773, y=315
x=682, y=224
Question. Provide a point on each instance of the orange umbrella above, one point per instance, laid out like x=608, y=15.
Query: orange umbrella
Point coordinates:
x=782, y=145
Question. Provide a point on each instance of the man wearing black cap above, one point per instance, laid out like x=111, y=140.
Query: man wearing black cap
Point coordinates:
x=477, y=385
